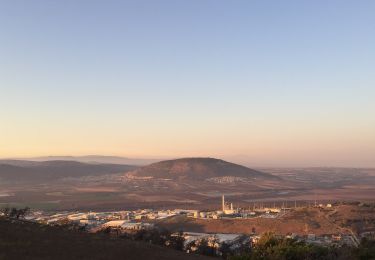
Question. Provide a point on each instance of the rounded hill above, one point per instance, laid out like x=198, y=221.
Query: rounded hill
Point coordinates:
x=197, y=168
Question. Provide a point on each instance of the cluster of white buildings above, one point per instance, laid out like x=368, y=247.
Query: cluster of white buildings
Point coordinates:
x=216, y=240
x=328, y=239
x=131, y=220
x=236, y=240
x=140, y=219
x=228, y=211
x=135, y=219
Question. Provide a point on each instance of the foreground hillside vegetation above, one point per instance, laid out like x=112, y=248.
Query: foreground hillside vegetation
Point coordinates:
x=26, y=240
x=271, y=247
x=21, y=239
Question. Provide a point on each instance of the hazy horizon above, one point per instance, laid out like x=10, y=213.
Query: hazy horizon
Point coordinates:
x=258, y=83
x=242, y=160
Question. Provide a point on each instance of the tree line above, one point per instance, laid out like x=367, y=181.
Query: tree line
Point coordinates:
x=14, y=213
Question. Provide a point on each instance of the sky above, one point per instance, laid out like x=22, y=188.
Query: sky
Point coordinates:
x=264, y=83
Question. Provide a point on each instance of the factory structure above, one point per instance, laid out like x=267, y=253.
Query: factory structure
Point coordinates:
x=227, y=208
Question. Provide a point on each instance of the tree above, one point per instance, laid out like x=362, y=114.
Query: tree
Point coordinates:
x=366, y=249
x=5, y=211
x=244, y=242
x=15, y=213
x=21, y=213
x=154, y=236
x=225, y=250
x=176, y=241
x=206, y=246
x=68, y=224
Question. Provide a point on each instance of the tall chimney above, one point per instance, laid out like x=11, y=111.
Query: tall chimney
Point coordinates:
x=223, y=202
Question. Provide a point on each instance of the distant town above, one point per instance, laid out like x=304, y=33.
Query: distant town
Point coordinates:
x=128, y=221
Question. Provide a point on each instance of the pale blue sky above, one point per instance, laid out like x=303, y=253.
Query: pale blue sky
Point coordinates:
x=274, y=82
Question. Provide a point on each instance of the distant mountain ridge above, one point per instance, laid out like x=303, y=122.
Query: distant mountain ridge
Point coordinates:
x=31, y=171
x=189, y=169
x=197, y=169
x=91, y=159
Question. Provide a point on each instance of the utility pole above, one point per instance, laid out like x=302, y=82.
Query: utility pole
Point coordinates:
x=315, y=201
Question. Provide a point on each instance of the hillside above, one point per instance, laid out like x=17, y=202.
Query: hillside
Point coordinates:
x=198, y=169
x=24, y=240
x=93, y=159
x=356, y=217
x=29, y=171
